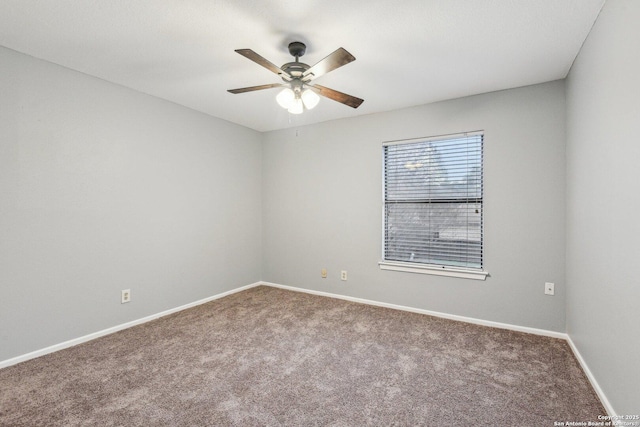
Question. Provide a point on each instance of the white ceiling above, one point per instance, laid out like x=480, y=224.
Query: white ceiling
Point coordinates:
x=407, y=53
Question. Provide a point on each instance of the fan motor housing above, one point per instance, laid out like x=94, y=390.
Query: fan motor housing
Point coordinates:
x=295, y=69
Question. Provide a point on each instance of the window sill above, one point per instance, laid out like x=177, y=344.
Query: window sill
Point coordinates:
x=464, y=273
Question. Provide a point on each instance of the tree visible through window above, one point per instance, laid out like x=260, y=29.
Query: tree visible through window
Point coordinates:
x=433, y=201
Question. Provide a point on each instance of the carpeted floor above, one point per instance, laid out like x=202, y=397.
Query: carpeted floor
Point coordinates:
x=271, y=357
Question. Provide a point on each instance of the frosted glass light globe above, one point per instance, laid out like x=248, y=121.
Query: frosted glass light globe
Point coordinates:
x=285, y=98
x=310, y=99
x=296, y=106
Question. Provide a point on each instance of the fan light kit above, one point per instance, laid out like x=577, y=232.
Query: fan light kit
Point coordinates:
x=297, y=93
x=294, y=98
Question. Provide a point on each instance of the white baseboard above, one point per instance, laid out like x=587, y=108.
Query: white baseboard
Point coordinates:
x=92, y=336
x=592, y=379
x=535, y=331
x=475, y=321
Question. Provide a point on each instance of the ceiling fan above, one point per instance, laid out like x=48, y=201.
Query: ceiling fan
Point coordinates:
x=298, y=92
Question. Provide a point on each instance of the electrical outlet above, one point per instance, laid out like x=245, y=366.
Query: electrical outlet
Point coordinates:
x=343, y=275
x=549, y=288
x=323, y=273
x=126, y=296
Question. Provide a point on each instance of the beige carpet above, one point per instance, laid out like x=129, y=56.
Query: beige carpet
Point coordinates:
x=270, y=357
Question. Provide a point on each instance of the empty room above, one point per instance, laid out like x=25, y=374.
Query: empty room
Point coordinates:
x=338, y=213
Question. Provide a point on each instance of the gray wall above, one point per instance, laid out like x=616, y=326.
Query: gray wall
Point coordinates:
x=322, y=190
x=102, y=189
x=603, y=203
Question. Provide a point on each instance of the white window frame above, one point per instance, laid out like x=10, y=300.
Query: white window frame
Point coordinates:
x=421, y=268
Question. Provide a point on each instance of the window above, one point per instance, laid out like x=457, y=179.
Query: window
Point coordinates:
x=433, y=205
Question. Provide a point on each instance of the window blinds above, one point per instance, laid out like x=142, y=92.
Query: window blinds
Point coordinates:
x=433, y=200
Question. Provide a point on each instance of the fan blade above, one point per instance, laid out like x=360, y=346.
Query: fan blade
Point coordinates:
x=349, y=100
x=252, y=88
x=335, y=60
x=249, y=54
